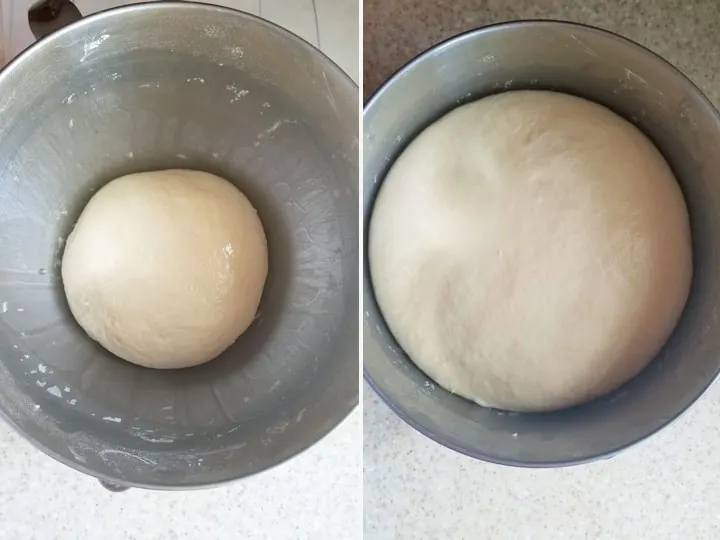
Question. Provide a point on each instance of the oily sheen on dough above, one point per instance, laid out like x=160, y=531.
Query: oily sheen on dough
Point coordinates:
x=530, y=251
x=166, y=269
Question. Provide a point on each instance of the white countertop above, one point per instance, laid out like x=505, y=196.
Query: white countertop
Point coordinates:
x=665, y=488
x=313, y=496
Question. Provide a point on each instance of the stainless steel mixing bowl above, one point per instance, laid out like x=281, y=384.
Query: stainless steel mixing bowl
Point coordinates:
x=641, y=87
x=156, y=86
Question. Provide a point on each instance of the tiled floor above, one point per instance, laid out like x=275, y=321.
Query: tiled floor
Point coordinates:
x=331, y=25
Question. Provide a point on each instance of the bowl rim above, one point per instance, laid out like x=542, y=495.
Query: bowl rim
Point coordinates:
x=400, y=410
x=151, y=5
x=340, y=414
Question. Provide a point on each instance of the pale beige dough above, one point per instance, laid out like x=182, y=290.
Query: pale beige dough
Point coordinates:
x=530, y=251
x=166, y=269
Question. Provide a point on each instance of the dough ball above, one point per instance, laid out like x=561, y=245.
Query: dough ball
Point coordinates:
x=530, y=251
x=166, y=269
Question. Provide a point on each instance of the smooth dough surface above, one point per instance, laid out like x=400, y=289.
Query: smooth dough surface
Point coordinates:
x=530, y=251
x=166, y=269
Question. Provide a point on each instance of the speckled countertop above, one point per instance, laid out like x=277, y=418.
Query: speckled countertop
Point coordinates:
x=665, y=488
x=685, y=33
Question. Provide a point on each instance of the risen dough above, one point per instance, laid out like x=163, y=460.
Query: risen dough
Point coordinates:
x=166, y=269
x=530, y=251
